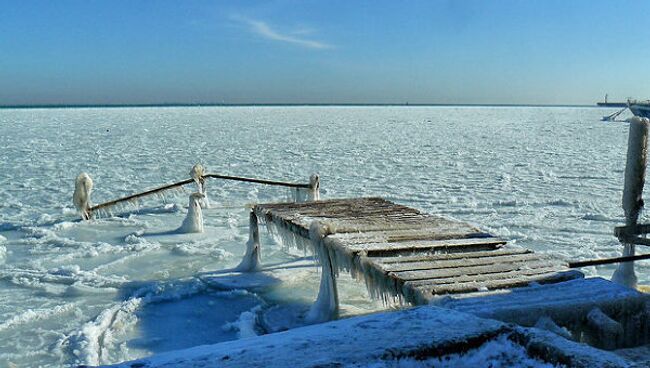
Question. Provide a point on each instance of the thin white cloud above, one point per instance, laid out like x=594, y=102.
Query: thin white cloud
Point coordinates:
x=265, y=30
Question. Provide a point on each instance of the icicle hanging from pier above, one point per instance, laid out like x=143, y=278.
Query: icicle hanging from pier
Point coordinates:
x=378, y=286
x=83, y=186
x=251, y=261
x=326, y=307
x=193, y=222
x=637, y=155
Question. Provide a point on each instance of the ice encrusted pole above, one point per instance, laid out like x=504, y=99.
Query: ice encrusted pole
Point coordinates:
x=314, y=188
x=198, y=174
x=83, y=186
x=310, y=194
x=326, y=307
x=193, y=222
x=251, y=261
x=637, y=156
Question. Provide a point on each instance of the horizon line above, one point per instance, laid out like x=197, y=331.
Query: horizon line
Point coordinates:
x=280, y=104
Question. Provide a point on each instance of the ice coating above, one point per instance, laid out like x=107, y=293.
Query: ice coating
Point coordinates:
x=326, y=307
x=83, y=186
x=193, y=222
x=197, y=173
x=307, y=194
x=549, y=179
x=379, y=287
x=314, y=190
x=635, y=168
x=251, y=261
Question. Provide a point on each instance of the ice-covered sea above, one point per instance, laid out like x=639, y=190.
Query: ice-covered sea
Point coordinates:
x=126, y=286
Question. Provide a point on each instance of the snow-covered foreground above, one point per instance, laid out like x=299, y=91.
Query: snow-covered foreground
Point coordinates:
x=420, y=337
x=125, y=287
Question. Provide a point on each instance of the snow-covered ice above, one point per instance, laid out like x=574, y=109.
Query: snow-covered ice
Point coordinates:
x=126, y=285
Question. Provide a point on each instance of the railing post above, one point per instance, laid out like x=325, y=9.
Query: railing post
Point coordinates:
x=635, y=167
x=314, y=188
x=83, y=186
x=252, y=259
x=198, y=174
x=193, y=222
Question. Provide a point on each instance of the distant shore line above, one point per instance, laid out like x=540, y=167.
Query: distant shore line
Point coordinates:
x=83, y=106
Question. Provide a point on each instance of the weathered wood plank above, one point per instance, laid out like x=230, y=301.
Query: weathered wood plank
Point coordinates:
x=519, y=281
x=380, y=223
x=481, y=278
x=449, y=256
x=337, y=208
x=476, y=270
x=396, y=236
x=382, y=248
x=461, y=263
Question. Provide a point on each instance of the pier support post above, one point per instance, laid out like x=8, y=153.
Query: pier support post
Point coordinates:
x=314, y=188
x=83, y=186
x=326, y=307
x=252, y=260
x=635, y=167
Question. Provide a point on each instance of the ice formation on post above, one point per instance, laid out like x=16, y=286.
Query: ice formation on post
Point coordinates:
x=310, y=194
x=197, y=173
x=251, y=261
x=193, y=222
x=637, y=154
x=83, y=186
x=326, y=307
x=314, y=188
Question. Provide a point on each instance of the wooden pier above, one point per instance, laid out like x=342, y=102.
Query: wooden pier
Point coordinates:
x=412, y=255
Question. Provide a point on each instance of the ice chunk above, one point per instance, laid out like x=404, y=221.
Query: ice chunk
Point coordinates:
x=606, y=332
x=545, y=323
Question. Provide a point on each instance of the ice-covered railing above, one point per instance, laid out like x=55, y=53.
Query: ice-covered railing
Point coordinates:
x=632, y=233
x=84, y=186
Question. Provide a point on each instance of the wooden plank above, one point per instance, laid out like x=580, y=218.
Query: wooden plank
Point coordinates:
x=507, y=283
x=477, y=270
x=376, y=224
x=398, y=236
x=337, y=207
x=461, y=263
x=420, y=245
x=482, y=278
x=450, y=256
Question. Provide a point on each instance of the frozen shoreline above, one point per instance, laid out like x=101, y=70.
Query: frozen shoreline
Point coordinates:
x=549, y=179
x=408, y=338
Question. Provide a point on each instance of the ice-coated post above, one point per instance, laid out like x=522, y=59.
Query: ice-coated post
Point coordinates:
x=252, y=260
x=198, y=174
x=314, y=188
x=326, y=307
x=193, y=222
x=83, y=186
x=635, y=167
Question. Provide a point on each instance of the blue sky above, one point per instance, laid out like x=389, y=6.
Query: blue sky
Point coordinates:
x=501, y=51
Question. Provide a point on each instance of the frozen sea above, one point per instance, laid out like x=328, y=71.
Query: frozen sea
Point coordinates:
x=125, y=286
